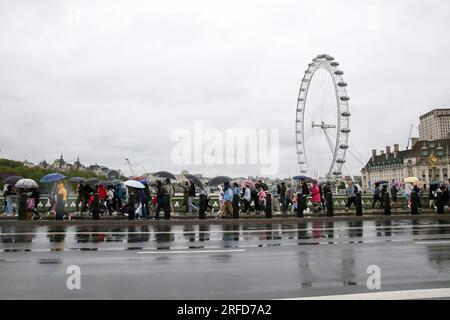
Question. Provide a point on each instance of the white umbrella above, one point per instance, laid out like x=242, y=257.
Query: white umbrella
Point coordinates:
x=411, y=180
x=134, y=184
x=26, y=184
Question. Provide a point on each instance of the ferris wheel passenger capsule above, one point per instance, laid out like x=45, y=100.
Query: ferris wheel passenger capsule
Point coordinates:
x=345, y=98
x=342, y=84
x=340, y=161
x=334, y=64
x=346, y=114
x=345, y=130
x=339, y=72
x=343, y=146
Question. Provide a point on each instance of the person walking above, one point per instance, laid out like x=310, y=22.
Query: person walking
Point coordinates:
x=394, y=199
x=407, y=194
x=432, y=196
x=109, y=199
x=147, y=200
x=283, y=196
x=170, y=190
x=247, y=198
x=315, y=197
x=36, y=195
x=79, y=195
x=305, y=193
x=445, y=195
x=159, y=198
x=191, y=198
x=52, y=199
x=8, y=195
x=288, y=197
x=262, y=199
x=208, y=198
x=186, y=195
x=61, y=191
x=350, y=192
x=376, y=196
x=275, y=195
x=227, y=209
x=383, y=195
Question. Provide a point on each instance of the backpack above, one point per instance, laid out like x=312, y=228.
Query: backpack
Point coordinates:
x=30, y=204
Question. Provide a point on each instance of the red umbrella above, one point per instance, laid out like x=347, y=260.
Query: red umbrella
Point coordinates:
x=247, y=183
x=137, y=178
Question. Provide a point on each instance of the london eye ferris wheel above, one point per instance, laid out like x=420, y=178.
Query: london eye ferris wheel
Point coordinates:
x=322, y=120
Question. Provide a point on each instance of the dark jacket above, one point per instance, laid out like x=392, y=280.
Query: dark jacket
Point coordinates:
x=192, y=190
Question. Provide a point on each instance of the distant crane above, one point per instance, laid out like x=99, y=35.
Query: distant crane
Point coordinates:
x=409, y=138
x=130, y=167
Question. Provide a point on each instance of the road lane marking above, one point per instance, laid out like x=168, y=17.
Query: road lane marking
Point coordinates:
x=386, y=295
x=189, y=251
x=432, y=242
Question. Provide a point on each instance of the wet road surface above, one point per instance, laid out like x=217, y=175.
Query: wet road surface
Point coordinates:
x=244, y=261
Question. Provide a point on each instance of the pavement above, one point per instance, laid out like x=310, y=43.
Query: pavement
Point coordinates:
x=282, y=258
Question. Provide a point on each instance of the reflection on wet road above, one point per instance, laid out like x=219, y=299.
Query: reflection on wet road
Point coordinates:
x=223, y=261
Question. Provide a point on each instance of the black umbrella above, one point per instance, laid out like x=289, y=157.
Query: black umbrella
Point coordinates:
x=106, y=183
x=382, y=182
x=195, y=180
x=115, y=182
x=218, y=181
x=77, y=179
x=91, y=181
x=165, y=174
x=12, y=180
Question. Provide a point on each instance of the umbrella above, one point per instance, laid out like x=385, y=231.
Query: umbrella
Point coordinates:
x=181, y=178
x=91, y=181
x=218, y=180
x=300, y=178
x=12, y=180
x=115, y=182
x=52, y=177
x=77, y=179
x=436, y=183
x=106, y=183
x=134, y=184
x=138, y=178
x=195, y=180
x=26, y=184
x=165, y=174
x=411, y=179
x=381, y=182
x=247, y=184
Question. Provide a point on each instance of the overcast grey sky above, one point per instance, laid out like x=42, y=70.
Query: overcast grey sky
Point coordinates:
x=109, y=80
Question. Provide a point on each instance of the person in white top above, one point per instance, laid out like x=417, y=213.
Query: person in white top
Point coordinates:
x=247, y=198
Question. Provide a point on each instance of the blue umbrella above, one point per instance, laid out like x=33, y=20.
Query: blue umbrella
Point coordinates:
x=300, y=178
x=52, y=177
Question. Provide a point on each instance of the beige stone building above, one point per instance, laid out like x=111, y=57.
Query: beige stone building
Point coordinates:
x=427, y=160
x=435, y=125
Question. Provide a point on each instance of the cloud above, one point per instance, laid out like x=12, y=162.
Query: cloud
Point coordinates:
x=109, y=80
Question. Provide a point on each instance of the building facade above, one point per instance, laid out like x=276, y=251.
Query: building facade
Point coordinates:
x=426, y=160
x=435, y=125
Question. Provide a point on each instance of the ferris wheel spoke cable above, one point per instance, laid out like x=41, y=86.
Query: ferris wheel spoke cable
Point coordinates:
x=354, y=156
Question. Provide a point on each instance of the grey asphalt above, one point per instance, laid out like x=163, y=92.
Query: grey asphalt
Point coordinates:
x=232, y=260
